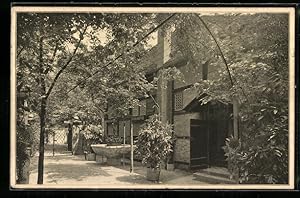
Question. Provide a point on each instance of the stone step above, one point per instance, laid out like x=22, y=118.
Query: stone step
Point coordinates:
x=212, y=179
x=216, y=171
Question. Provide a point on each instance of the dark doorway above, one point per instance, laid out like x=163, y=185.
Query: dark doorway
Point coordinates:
x=199, y=144
x=218, y=116
x=217, y=135
x=208, y=136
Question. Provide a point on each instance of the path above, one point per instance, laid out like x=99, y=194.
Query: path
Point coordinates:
x=68, y=169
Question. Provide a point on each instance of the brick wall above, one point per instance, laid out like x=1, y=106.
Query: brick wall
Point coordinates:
x=182, y=150
x=182, y=123
x=182, y=134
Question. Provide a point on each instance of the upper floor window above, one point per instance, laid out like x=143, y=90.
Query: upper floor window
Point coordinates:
x=204, y=71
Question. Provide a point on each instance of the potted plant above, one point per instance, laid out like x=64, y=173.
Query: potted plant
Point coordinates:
x=90, y=154
x=153, y=145
x=93, y=135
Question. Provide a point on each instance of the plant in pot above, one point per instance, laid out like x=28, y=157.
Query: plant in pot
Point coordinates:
x=154, y=144
x=93, y=135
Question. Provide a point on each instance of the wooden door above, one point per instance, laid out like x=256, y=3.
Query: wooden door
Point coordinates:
x=199, y=144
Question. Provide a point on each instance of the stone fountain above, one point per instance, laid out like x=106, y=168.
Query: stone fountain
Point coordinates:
x=113, y=154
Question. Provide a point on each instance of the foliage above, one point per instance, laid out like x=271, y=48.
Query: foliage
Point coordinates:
x=55, y=45
x=232, y=148
x=113, y=140
x=24, y=139
x=260, y=163
x=154, y=142
x=255, y=47
x=93, y=135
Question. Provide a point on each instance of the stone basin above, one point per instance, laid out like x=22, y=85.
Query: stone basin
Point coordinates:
x=112, y=153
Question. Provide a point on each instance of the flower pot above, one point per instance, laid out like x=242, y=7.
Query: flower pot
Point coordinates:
x=153, y=174
x=91, y=157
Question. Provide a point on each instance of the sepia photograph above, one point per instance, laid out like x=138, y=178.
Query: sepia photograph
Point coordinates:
x=152, y=97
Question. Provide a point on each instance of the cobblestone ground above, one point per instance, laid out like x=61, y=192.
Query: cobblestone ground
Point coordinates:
x=69, y=170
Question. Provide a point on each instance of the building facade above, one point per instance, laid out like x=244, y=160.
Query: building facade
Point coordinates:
x=199, y=130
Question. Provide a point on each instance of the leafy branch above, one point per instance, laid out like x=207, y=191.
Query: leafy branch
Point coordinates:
x=66, y=64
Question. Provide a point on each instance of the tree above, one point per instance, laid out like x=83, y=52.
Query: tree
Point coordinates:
x=48, y=44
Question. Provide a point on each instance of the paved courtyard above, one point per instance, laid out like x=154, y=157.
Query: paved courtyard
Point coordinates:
x=69, y=169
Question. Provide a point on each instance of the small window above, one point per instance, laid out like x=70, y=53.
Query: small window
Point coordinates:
x=204, y=71
x=178, y=99
x=136, y=110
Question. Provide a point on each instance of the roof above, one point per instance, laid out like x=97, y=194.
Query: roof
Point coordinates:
x=196, y=102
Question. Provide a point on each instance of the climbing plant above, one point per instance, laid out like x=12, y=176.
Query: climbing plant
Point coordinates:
x=255, y=47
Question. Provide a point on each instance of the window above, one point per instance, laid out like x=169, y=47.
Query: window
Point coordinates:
x=178, y=99
x=150, y=106
x=136, y=110
x=204, y=71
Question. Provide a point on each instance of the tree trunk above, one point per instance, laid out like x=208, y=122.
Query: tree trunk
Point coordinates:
x=42, y=115
x=70, y=137
x=42, y=137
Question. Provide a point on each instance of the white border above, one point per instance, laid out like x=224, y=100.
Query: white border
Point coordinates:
x=48, y=9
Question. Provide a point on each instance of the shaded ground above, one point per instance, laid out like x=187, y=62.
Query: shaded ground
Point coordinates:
x=67, y=169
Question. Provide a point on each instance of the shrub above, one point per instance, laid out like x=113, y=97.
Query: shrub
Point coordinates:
x=93, y=135
x=264, y=160
x=113, y=140
x=154, y=142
